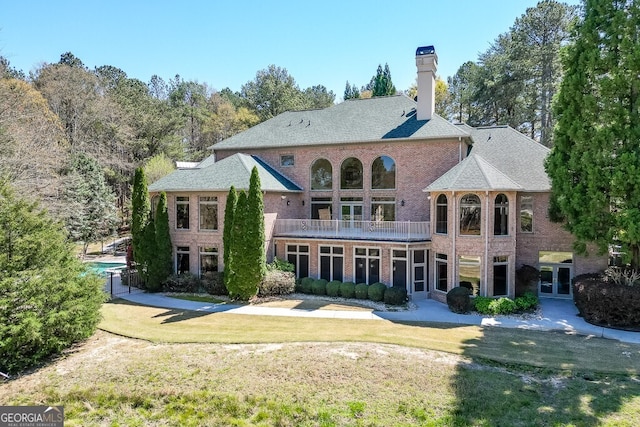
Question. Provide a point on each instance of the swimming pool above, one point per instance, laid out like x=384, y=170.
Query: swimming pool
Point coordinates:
x=104, y=268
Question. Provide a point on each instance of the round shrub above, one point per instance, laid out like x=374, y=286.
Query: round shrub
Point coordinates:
x=319, y=287
x=362, y=291
x=306, y=284
x=606, y=303
x=333, y=288
x=376, y=291
x=348, y=290
x=395, y=296
x=459, y=300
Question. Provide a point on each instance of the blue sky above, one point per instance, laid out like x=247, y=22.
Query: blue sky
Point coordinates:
x=224, y=43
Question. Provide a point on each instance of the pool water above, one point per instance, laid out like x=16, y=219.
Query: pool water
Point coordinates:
x=106, y=267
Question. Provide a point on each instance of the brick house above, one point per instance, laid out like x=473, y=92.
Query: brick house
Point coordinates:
x=384, y=190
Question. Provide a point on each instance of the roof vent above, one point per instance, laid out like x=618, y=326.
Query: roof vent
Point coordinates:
x=425, y=50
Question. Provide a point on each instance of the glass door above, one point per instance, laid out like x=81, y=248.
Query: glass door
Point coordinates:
x=350, y=213
x=555, y=280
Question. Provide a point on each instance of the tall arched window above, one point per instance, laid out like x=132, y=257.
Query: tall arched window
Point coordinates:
x=383, y=173
x=351, y=174
x=441, y=214
x=470, y=215
x=501, y=216
x=321, y=175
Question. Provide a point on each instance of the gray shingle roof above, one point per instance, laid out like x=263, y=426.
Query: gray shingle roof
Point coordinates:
x=500, y=158
x=358, y=120
x=220, y=176
x=474, y=173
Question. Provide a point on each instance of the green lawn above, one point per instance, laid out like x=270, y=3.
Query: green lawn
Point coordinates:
x=204, y=369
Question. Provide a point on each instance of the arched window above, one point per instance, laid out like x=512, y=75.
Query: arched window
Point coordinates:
x=470, y=215
x=351, y=174
x=441, y=214
x=321, y=175
x=501, y=216
x=383, y=173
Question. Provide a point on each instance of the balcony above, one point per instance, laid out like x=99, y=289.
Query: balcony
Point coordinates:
x=397, y=231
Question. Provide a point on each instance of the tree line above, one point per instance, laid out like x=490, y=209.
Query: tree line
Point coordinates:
x=72, y=137
x=64, y=124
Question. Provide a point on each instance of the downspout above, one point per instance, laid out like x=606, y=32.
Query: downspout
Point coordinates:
x=486, y=246
x=455, y=232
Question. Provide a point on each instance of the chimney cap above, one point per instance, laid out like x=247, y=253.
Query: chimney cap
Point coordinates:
x=425, y=50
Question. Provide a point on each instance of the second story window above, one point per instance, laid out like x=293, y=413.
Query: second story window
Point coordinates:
x=470, y=215
x=182, y=213
x=383, y=173
x=441, y=214
x=351, y=174
x=526, y=214
x=501, y=216
x=208, y=213
x=321, y=175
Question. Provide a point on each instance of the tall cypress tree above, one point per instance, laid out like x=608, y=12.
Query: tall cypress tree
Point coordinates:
x=140, y=209
x=595, y=163
x=238, y=261
x=161, y=265
x=255, y=229
x=227, y=234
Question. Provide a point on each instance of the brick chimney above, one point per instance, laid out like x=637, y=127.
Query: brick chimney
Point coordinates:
x=427, y=63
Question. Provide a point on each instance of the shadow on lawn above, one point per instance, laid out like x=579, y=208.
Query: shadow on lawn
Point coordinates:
x=562, y=393
x=177, y=315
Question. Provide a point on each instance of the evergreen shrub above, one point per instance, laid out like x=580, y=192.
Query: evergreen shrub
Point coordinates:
x=306, y=284
x=333, y=288
x=362, y=291
x=395, y=296
x=319, y=287
x=348, y=290
x=376, y=292
x=459, y=299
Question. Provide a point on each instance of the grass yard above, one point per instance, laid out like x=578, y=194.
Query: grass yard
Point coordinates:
x=192, y=369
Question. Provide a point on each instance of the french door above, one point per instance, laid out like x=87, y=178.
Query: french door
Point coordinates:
x=555, y=280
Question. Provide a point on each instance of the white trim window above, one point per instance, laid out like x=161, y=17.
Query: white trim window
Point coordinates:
x=331, y=262
x=208, y=211
x=366, y=265
x=182, y=212
x=208, y=260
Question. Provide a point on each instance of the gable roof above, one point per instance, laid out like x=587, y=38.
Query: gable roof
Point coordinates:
x=501, y=158
x=353, y=121
x=220, y=176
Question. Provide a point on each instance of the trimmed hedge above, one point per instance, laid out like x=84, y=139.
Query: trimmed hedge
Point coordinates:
x=362, y=291
x=319, y=287
x=376, y=292
x=213, y=283
x=333, y=288
x=306, y=284
x=185, y=282
x=395, y=296
x=348, y=290
x=606, y=303
x=503, y=305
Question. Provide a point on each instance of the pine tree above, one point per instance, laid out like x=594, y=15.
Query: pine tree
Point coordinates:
x=595, y=163
x=382, y=84
x=48, y=300
x=92, y=209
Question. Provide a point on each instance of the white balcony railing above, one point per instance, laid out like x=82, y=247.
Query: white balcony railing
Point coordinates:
x=360, y=230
